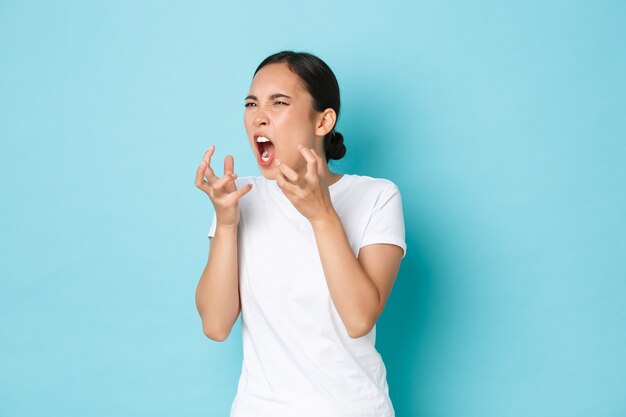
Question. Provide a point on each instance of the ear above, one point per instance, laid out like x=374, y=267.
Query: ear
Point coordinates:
x=325, y=122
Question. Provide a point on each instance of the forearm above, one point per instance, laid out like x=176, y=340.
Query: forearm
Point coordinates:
x=353, y=293
x=217, y=295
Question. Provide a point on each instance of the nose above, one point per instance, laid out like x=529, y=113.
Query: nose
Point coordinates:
x=260, y=118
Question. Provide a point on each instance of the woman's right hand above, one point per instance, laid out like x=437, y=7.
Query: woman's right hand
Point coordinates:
x=223, y=191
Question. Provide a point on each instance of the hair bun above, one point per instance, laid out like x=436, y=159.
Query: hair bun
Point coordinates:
x=333, y=146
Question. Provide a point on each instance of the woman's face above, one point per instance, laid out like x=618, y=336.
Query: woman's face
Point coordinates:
x=278, y=116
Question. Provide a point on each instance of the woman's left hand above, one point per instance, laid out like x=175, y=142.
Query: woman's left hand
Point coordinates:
x=309, y=193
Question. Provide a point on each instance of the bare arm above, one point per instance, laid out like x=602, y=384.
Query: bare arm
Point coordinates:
x=217, y=294
x=359, y=287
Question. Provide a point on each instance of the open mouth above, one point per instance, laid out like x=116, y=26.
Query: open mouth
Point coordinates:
x=265, y=148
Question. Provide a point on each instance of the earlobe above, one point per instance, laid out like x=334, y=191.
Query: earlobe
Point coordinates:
x=326, y=122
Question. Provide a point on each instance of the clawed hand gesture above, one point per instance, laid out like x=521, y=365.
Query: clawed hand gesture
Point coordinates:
x=222, y=191
x=309, y=192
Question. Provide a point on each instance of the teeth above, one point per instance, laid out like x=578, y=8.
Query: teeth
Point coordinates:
x=262, y=139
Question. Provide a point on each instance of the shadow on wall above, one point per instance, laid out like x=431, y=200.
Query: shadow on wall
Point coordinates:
x=403, y=326
x=363, y=128
x=371, y=117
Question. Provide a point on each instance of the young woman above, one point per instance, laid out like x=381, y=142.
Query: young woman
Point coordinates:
x=307, y=255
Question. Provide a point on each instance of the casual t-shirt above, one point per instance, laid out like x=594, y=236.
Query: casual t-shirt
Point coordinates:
x=298, y=359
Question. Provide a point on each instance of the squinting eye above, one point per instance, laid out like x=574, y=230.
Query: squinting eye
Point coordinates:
x=250, y=104
x=282, y=102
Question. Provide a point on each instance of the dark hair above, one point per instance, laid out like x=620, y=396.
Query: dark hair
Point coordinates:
x=320, y=82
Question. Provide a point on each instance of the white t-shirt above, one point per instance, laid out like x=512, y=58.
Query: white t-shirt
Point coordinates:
x=298, y=359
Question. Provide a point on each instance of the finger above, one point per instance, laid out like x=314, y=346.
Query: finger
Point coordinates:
x=285, y=185
x=320, y=163
x=287, y=171
x=229, y=164
x=229, y=167
x=200, y=182
x=242, y=191
x=219, y=184
x=311, y=162
x=209, y=153
x=208, y=173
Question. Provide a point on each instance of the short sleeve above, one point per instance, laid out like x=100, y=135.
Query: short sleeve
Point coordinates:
x=213, y=225
x=386, y=221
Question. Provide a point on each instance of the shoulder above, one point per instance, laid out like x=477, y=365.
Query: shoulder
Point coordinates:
x=364, y=183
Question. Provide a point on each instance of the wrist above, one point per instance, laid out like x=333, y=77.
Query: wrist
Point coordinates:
x=226, y=227
x=329, y=219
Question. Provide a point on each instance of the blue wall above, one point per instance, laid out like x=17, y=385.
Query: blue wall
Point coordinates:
x=502, y=123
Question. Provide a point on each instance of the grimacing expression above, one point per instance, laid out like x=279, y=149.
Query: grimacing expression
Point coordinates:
x=278, y=116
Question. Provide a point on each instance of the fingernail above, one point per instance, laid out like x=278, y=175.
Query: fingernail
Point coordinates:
x=278, y=162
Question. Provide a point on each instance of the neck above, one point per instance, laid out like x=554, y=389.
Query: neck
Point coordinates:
x=330, y=177
x=327, y=175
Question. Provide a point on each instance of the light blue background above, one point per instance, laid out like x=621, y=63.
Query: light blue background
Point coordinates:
x=501, y=122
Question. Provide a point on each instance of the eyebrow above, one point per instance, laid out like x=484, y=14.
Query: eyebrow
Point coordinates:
x=272, y=97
